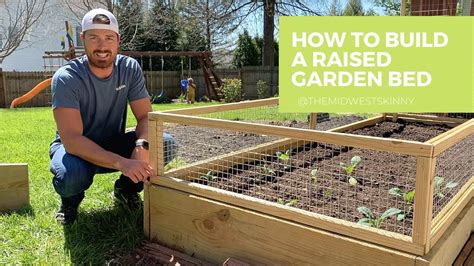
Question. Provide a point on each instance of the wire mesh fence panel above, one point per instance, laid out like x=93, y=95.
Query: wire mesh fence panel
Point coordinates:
x=454, y=167
x=356, y=185
x=270, y=115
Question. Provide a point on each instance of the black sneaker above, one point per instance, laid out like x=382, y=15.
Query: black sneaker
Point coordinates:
x=67, y=214
x=130, y=200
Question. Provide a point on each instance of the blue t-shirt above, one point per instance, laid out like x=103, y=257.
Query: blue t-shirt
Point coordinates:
x=102, y=102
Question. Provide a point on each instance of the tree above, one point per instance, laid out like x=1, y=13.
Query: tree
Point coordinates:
x=259, y=43
x=129, y=14
x=272, y=9
x=246, y=53
x=355, y=8
x=80, y=7
x=392, y=7
x=162, y=29
x=214, y=19
x=335, y=8
x=130, y=18
x=21, y=17
x=215, y=22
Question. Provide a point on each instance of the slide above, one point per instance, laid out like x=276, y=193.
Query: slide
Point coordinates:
x=32, y=93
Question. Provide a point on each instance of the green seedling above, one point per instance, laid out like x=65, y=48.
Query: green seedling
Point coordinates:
x=175, y=163
x=313, y=175
x=289, y=203
x=440, y=186
x=350, y=168
x=373, y=221
x=407, y=197
x=209, y=176
x=284, y=157
x=328, y=192
x=267, y=170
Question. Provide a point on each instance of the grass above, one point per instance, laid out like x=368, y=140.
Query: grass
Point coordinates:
x=32, y=235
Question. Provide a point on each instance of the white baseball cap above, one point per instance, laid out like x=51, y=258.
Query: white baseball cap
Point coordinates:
x=88, y=21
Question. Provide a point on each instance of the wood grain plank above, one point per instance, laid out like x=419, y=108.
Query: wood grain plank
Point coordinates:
x=214, y=231
x=14, y=190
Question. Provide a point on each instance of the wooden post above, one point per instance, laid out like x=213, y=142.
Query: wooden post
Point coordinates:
x=2, y=91
x=423, y=208
x=313, y=120
x=395, y=117
x=153, y=147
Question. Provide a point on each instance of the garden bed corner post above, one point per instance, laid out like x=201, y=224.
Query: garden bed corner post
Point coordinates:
x=422, y=217
x=155, y=139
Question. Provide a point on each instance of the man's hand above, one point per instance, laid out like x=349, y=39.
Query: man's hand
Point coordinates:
x=138, y=167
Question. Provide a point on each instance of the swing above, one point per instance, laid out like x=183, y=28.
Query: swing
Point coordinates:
x=162, y=78
x=183, y=82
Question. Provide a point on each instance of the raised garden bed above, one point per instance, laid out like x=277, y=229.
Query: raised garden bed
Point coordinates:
x=323, y=180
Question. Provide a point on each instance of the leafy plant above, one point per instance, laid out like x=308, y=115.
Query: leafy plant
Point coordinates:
x=407, y=197
x=373, y=221
x=175, y=163
x=440, y=186
x=314, y=175
x=262, y=89
x=349, y=168
x=284, y=157
x=267, y=171
x=209, y=176
x=290, y=203
x=231, y=90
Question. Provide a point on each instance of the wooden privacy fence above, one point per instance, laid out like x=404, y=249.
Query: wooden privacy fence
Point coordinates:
x=15, y=84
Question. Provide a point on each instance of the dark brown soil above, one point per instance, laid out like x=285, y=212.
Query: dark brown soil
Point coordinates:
x=289, y=182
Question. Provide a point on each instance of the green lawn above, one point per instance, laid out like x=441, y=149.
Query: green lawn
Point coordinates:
x=32, y=235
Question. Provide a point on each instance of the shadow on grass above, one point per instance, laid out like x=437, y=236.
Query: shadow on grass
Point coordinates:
x=27, y=210
x=98, y=236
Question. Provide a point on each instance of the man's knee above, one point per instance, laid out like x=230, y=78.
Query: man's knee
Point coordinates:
x=72, y=175
x=169, y=147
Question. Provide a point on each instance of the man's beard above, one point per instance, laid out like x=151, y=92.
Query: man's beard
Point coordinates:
x=98, y=62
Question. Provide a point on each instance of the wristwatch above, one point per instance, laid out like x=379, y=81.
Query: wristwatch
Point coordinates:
x=142, y=143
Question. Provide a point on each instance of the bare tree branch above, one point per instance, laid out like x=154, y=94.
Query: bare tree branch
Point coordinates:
x=22, y=15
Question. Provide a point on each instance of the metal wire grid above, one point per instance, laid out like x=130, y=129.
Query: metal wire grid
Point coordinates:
x=454, y=167
x=300, y=174
x=270, y=115
x=263, y=115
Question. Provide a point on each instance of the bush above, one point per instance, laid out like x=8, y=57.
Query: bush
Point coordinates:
x=231, y=90
x=262, y=89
